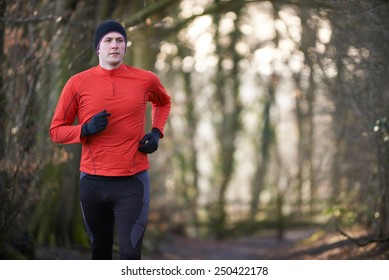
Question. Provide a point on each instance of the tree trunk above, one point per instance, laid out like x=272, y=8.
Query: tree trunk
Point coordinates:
x=227, y=98
x=263, y=152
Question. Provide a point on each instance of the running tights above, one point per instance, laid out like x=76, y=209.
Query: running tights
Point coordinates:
x=124, y=201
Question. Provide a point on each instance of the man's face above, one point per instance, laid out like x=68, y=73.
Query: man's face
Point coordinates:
x=111, y=50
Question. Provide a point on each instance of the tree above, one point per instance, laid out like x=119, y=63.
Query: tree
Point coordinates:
x=361, y=97
x=20, y=158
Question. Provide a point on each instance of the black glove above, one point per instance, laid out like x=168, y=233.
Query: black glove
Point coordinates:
x=96, y=124
x=149, y=142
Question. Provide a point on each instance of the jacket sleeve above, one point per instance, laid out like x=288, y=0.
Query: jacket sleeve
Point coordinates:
x=62, y=129
x=160, y=104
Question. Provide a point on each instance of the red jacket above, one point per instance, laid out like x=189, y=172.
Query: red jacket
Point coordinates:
x=124, y=93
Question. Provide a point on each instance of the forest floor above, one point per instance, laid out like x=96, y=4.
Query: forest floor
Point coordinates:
x=296, y=245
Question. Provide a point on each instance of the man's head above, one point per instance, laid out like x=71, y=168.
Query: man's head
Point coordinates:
x=106, y=27
x=110, y=44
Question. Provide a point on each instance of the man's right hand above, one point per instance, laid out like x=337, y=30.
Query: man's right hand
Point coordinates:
x=98, y=123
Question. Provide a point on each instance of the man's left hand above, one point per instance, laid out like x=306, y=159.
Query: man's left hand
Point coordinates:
x=149, y=142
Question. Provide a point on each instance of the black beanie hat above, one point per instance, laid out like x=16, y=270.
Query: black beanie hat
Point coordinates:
x=108, y=26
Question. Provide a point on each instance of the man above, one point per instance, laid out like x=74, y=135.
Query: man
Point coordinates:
x=110, y=101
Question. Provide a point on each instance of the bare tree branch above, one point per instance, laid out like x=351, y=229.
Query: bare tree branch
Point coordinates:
x=359, y=242
x=27, y=20
x=147, y=11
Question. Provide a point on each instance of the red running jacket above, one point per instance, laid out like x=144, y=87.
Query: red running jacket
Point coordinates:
x=124, y=93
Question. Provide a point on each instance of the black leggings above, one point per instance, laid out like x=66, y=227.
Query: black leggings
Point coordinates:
x=121, y=200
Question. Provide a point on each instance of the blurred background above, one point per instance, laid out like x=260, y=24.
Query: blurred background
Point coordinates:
x=279, y=118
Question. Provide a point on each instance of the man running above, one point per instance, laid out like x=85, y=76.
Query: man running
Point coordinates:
x=110, y=101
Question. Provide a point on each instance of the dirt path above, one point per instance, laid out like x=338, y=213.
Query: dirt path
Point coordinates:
x=298, y=244
x=243, y=248
x=181, y=248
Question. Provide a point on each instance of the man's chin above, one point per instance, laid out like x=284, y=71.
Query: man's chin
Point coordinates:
x=115, y=62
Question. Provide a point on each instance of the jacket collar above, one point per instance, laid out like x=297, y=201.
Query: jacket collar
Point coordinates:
x=113, y=72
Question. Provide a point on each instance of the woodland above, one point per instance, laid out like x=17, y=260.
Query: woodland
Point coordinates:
x=279, y=125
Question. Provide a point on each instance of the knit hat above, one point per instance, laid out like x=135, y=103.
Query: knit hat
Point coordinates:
x=106, y=27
